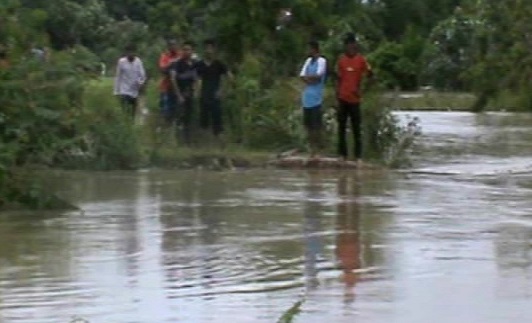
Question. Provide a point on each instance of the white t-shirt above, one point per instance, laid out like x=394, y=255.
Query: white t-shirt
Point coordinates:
x=130, y=76
x=322, y=67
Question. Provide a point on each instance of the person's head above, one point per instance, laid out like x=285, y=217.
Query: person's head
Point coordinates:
x=210, y=48
x=171, y=45
x=187, y=49
x=130, y=52
x=313, y=48
x=351, y=45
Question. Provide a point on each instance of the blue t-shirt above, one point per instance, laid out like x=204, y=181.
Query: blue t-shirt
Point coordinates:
x=312, y=96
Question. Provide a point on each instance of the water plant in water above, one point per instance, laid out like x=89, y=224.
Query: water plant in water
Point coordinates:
x=292, y=312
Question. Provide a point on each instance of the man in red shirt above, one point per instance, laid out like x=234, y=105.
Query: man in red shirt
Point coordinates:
x=168, y=100
x=352, y=68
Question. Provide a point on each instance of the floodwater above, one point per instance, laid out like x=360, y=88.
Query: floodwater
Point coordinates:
x=448, y=241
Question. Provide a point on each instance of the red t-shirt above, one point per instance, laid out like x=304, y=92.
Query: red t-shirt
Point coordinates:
x=351, y=71
x=164, y=61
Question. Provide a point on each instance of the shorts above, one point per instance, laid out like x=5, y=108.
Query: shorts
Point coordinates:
x=312, y=118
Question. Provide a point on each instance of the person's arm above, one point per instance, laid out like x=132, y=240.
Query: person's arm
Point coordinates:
x=316, y=78
x=322, y=69
x=224, y=74
x=175, y=86
x=196, y=82
x=141, y=75
x=338, y=78
x=118, y=79
x=368, y=72
x=163, y=63
x=303, y=74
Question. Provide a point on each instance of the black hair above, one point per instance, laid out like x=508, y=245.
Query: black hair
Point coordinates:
x=350, y=38
x=209, y=42
x=313, y=44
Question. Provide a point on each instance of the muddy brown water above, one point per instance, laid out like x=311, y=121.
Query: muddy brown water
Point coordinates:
x=448, y=241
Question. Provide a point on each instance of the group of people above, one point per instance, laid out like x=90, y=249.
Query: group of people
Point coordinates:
x=181, y=73
x=351, y=69
x=182, y=76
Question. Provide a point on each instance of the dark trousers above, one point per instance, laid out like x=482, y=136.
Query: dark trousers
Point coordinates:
x=211, y=115
x=312, y=119
x=186, y=113
x=129, y=104
x=350, y=111
x=169, y=107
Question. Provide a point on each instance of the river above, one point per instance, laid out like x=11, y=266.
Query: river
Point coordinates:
x=448, y=241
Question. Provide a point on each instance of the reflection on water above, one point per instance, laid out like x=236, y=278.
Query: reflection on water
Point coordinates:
x=348, y=240
x=447, y=242
x=312, y=217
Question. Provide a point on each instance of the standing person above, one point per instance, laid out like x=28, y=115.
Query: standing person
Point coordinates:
x=168, y=100
x=211, y=72
x=313, y=74
x=183, y=75
x=352, y=68
x=129, y=80
x=4, y=59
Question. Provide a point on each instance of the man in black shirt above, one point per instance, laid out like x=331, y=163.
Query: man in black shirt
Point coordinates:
x=211, y=72
x=183, y=75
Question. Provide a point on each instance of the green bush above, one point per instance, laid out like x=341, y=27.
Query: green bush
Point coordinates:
x=109, y=139
x=46, y=119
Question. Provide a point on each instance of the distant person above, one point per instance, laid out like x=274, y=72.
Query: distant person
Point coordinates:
x=103, y=69
x=211, y=72
x=130, y=79
x=38, y=53
x=168, y=100
x=352, y=68
x=4, y=59
x=183, y=75
x=313, y=74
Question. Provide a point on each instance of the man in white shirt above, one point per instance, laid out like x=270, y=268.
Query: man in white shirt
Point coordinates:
x=129, y=80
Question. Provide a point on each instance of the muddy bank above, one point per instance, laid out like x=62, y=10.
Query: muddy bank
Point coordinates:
x=285, y=160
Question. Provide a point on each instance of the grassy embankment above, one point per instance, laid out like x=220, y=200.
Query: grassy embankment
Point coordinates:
x=159, y=147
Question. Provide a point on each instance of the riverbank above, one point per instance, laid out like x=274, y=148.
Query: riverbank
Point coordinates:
x=429, y=101
x=450, y=101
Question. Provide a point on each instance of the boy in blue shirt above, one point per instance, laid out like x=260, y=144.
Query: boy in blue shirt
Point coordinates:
x=313, y=74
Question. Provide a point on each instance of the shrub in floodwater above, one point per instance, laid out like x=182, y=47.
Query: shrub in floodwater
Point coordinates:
x=385, y=137
x=291, y=313
x=20, y=188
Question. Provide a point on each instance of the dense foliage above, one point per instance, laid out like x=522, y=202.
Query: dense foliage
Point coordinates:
x=481, y=46
x=447, y=44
